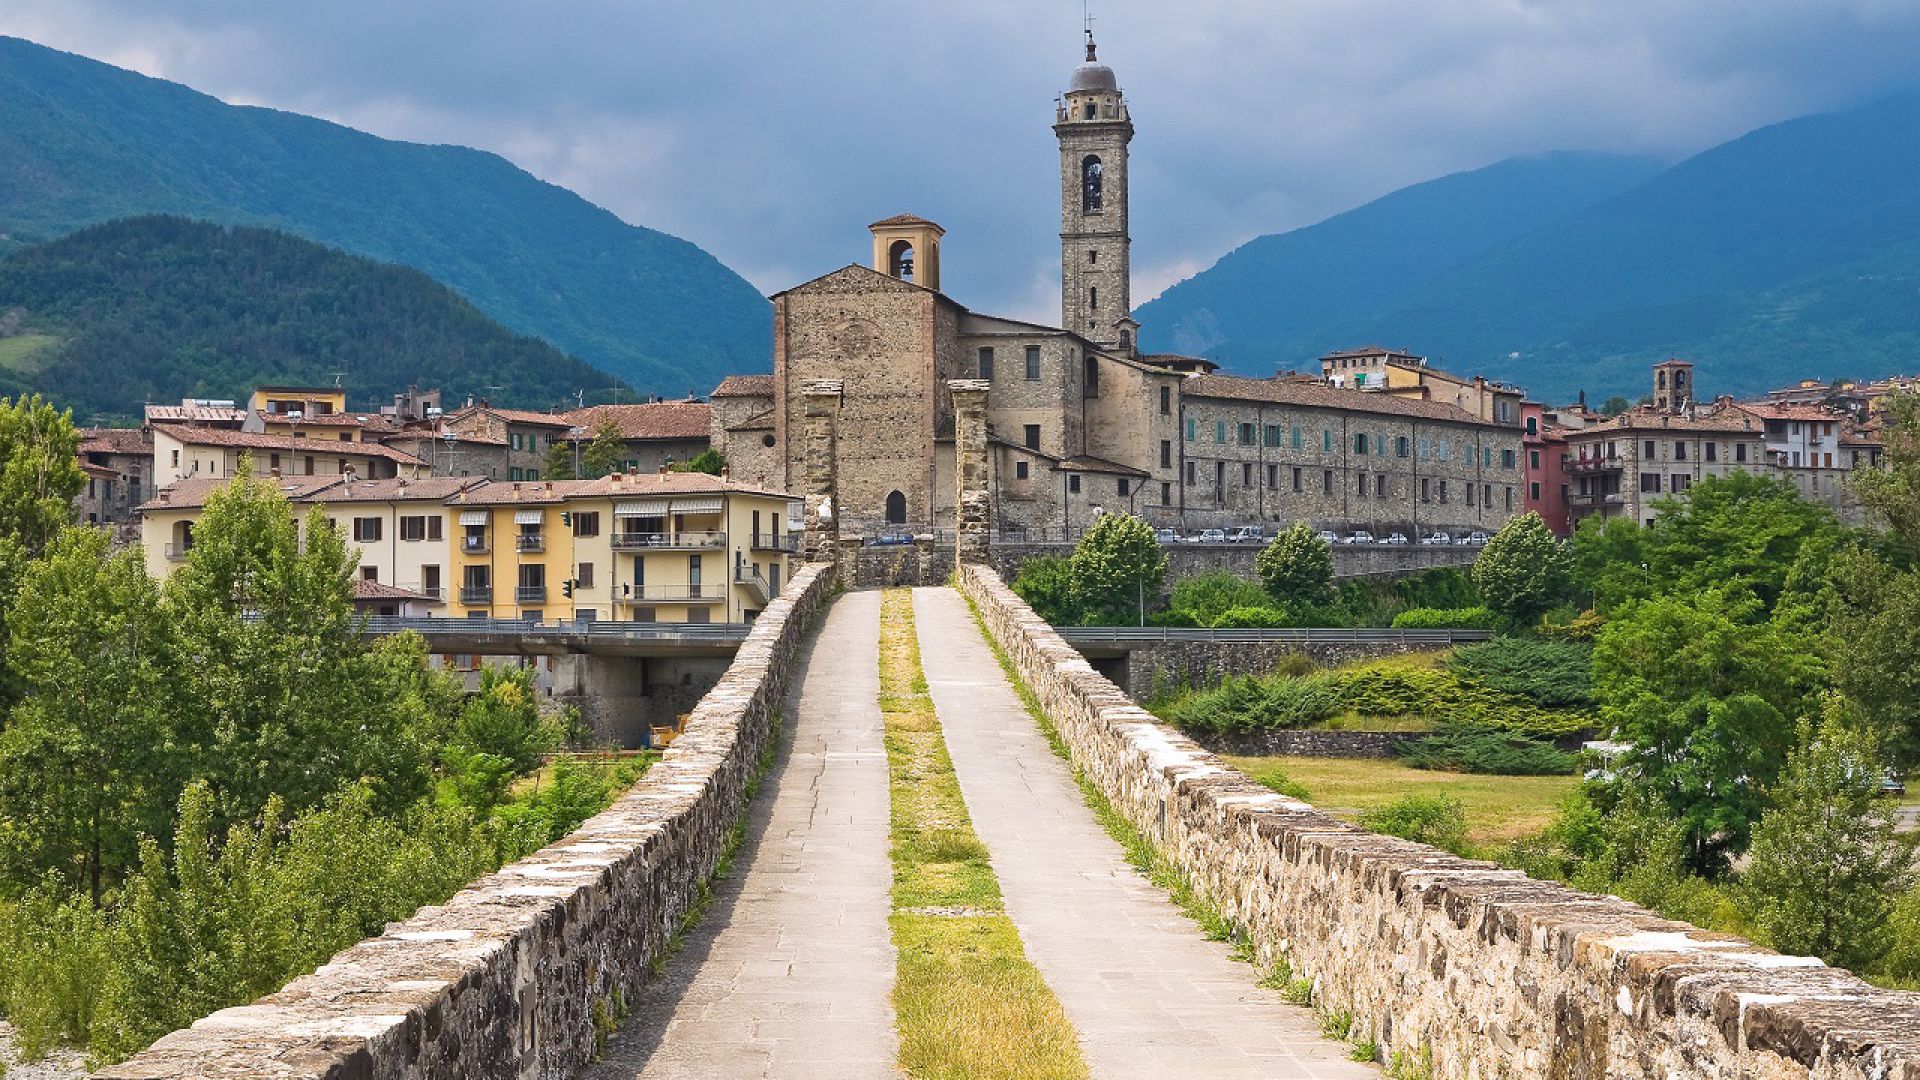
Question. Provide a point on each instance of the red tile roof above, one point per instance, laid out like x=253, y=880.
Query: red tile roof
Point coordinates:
x=745, y=386
x=115, y=441
x=659, y=420
x=259, y=440
x=1231, y=387
x=1769, y=410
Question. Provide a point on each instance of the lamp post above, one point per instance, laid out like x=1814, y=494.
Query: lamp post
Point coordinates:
x=574, y=434
x=293, y=433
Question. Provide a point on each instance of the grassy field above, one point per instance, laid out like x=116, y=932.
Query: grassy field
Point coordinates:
x=1498, y=808
x=16, y=352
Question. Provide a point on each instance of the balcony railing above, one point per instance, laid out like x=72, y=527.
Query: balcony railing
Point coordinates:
x=755, y=584
x=530, y=542
x=1593, y=464
x=473, y=545
x=776, y=542
x=429, y=592
x=676, y=594
x=530, y=594
x=659, y=541
x=476, y=595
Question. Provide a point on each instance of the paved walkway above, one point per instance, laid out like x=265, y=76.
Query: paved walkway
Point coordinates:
x=788, y=976
x=1149, y=996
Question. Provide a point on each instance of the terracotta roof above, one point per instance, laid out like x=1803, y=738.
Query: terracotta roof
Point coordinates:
x=1085, y=463
x=760, y=421
x=519, y=492
x=204, y=414
x=902, y=219
x=1318, y=395
x=745, y=386
x=659, y=420
x=374, y=590
x=1644, y=419
x=394, y=489
x=419, y=436
x=99, y=471
x=1370, y=350
x=192, y=494
x=260, y=440
x=619, y=485
x=115, y=441
x=1770, y=410
x=513, y=416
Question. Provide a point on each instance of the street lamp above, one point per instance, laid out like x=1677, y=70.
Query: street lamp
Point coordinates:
x=294, y=417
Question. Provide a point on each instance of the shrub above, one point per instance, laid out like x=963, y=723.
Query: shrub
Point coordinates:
x=1045, y=582
x=1523, y=571
x=1255, y=617
x=1117, y=566
x=1469, y=618
x=1205, y=597
x=1296, y=566
x=1439, y=820
x=1441, y=587
x=1276, y=779
x=1582, y=626
x=1479, y=750
x=1549, y=672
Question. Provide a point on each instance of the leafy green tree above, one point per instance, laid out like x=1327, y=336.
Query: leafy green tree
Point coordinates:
x=499, y=735
x=1892, y=496
x=39, y=471
x=709, y=461
x=1615, y=405
x=1205, y=597
x=1523, y=570
x=1296, y=567
x=559, y=463
x=87, y=758
x=1825, y=856
x=1705, y=688
x=1610, y=562
x=1046, y=583
x=1874, y=615
x=1117, y=566
x=604, y=454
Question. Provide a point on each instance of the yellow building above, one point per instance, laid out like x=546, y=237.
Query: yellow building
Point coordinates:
x=189, y=451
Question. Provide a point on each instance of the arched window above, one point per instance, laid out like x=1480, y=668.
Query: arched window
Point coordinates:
x=1093, y=297
x=896, y=508
x=1091, y=186
x=900, y=260
x=1092, y=379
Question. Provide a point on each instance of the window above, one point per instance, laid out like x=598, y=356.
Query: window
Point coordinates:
x=1401, y=448
x=1093, y=297
x=1092, y=179
x=897, y=505
x=1443, y=492
x=1296, y=478
x=1220, y=480
x=430, y=581
x=1166, y=400
x=1033, y=436
x=1486, y=457
x=1681, y=482
x=1093, y=257
x=1533, y=491
x=366, y=530
x=1469, y=494
x=1033, y=363
x=1360, y=484
x=586, y=523
x=1326, y=481
x=1506, y=458
x=434, y=522
x=1652, y=451
x=1360, y=443
x=1073, y=484
x=1247, y=435
x=1019, y=470
x=1426, y=490
x=1190, y=473
x=1326, y=438
x=1166, y=453
x=1246, y=474
x=1296, y=438
x=1509, y=497
x=1679, y=451
x=1533, y=459
x=1193, y=429
x=1486, y=496
x=583, y=575
x=1092, y=388
x=1220, y=431
x=1273, y=435
x=1166, y=493
x=1740, y=451
x=413, y=527
x=1273, y=477
x=986, y=363
x=1713, y=451
x=1125, y=487
x=1650, y=483
x=1533, y=426
x=1380, y=486
x=900, y=260
x=369, y=573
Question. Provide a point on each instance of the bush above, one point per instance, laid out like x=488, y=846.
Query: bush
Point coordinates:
x=1260, y=617
x=1552, y=673
x=1523, y=571
x=1580, y=626
x=1205, y=597
x=1479, y=750
x=1439, y=820
x=1045, y=582
x=1469, y=618
x=1296, y=565
x=1442, y=587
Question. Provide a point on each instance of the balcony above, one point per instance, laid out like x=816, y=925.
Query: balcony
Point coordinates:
x=786, y=542
x=473, y=545
x=530, y=594
x=756, y=585
x=476, y=595
x=660, y=541
x=1593, y=465
x=429, y=592
x=671, y=594
x=530, y=542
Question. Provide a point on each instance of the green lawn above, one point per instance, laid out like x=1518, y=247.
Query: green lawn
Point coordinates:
x=15, y=352
x=1499, y=808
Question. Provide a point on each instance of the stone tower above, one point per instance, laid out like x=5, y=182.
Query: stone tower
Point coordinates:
x=1672, y=386
x=908, y=247
x=1091, y=123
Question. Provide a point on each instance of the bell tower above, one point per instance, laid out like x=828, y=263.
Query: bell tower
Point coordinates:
x=1091, y=122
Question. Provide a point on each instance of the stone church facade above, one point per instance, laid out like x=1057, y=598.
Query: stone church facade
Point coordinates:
x=1079, y=422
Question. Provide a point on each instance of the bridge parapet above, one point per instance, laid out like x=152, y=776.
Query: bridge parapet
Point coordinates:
x=505, y=979
x=1492, y=973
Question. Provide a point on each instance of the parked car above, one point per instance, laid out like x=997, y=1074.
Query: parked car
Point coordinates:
x=1247, y=534
x=1328, y=536
x=1166, y=536
x=1360, y=536
x=1209, y=536
x=1437, y=538
x=1474, y=539
x=1395, y=538
x=893, y=538
x=1893, y=784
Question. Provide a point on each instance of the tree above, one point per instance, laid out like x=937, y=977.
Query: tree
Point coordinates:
x=1206, y=597
x=1705, y=689
x=1523, y=570
x=707, y=461
x=559, y=463
x=1117, y=565
x=1296, y=566
x=1825, y=857
x=1874, y=618
x=1046, y=583
x=39, y=471
x=87, y=757
x=1892, y=496
x=1615, y=405
x=1742, y=527
x=605, y=453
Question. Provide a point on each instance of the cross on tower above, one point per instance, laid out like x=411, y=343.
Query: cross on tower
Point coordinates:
x=1086, y=15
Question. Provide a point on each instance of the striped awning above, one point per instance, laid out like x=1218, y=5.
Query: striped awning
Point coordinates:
x=473, y=517
x=641, y=508
x=697, y=504
x=527, y=517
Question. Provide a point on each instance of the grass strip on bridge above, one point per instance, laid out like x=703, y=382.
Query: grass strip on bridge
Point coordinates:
x=967, y=1001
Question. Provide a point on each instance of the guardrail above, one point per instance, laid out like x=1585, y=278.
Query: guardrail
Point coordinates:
x=432, y=626
x=1117, y=635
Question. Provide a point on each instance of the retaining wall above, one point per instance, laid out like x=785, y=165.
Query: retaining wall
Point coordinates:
x=503, y=980
x=1148, y=668
x=1492, y=973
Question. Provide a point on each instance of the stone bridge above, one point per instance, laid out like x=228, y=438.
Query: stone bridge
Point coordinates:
x=1468, y=970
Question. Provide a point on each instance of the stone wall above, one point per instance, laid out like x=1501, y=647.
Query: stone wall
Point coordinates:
x=1146, y=669
x=1332, y=744
x=502, y=981
x=1492, y=973
x=925, y=562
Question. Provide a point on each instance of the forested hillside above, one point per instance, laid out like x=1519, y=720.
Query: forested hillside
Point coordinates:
x=160, y=308
x=82, y=142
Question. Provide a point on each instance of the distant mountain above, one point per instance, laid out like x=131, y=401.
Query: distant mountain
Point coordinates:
x=1270, y=301
x=1792, y=251
x=161, y=308
x=82, y=142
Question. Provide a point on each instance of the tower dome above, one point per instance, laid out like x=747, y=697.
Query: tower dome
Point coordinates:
x=1092, y=75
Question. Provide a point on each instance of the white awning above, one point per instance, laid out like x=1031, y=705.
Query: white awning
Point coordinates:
x=528, y=517
x=473, y=517
x=698, y=504
x=642, y=508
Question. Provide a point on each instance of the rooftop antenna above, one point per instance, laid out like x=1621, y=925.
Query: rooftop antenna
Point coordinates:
x=337, y=376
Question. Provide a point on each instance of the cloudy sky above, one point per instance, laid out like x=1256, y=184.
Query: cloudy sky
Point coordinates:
x=771, y=132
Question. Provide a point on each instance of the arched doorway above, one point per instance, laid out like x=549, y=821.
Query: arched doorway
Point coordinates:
x=896, y=508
